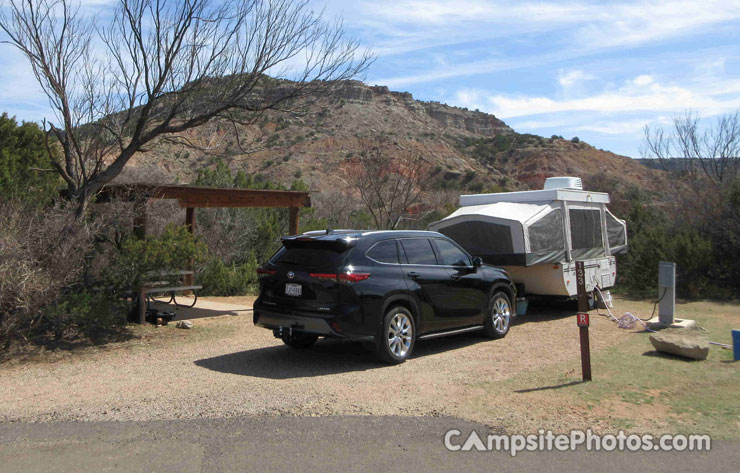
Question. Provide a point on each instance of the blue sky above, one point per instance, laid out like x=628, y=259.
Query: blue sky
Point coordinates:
x=597, y=70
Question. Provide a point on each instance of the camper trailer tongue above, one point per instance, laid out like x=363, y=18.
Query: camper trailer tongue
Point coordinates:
x=537, y=235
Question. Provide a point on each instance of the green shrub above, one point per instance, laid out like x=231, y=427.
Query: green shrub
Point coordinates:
x=219, y=279
x=91, y=314
x=23, y=159
x=173, y=250
x=655, y=236
x=724, y=232
x=476, y=187
x=273, y=140
x=691, y=251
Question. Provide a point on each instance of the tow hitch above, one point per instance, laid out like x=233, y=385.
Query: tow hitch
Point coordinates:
x=278, y=333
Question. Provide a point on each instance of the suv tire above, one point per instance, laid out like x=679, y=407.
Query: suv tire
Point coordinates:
x=397, y=336
x=498, y=319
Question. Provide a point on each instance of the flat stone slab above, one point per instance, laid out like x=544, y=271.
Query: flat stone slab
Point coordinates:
x=687, y=343
x=655, y=324
x=186, y=324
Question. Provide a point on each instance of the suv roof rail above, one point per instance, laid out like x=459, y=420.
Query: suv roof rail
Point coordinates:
x=329, y=231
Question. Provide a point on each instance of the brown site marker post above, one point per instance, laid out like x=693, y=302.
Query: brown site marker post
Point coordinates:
x=582, y=320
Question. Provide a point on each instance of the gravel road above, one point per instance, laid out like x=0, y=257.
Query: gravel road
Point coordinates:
x=225, y=367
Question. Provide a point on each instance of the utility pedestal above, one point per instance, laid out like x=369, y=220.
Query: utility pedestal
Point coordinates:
x=667, y=300
x=666, y=292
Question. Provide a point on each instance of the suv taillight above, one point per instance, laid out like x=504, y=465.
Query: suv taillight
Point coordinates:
x=353, y=277
x=324, y=276
x=263, y=273
x=341, y=277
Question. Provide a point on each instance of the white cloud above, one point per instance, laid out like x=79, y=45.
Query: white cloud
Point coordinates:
x=570, y=123
x=614, y=114
x=634, y=23
x=640, y=94
x=710, y=66
x=585, y=25
x=471, y=98
x=615, y=127
x=482, y=66
x=642, y=80
x=572, y=77
x=473, y=68
x=556, y=31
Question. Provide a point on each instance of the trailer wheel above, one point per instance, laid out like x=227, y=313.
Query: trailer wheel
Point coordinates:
x=498, y=319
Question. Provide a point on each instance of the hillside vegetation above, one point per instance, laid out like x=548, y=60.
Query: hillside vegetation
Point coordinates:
x=467, y=150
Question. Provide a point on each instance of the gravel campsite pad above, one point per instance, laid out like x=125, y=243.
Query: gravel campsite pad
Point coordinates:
x=226, y=367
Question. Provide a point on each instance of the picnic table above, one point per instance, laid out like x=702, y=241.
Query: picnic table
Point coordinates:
x=163, y=286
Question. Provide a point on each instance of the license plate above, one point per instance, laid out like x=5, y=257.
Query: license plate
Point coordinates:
x=293, y=290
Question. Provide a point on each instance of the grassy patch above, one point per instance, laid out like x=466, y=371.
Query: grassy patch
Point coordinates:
x=636, y=388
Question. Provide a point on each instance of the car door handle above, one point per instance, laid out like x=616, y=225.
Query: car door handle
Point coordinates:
x=412, y=274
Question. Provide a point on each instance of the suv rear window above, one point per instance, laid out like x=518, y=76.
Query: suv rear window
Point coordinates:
x=418, y=251
x=384, y=252
x=307, y=257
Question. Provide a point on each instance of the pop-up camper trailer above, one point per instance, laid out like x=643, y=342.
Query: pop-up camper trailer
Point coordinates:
x=538, y=235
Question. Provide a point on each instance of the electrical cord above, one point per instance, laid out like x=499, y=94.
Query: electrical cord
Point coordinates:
x=601, y=295
x=656, y=304
x=628, y=319
x=609, y=312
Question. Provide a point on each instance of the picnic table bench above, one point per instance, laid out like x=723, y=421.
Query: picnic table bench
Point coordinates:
x=163, y=287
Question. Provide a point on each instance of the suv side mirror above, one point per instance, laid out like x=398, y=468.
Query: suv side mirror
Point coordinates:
x=477, y=262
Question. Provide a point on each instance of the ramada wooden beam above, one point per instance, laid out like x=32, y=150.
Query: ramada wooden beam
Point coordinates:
x=199, y=197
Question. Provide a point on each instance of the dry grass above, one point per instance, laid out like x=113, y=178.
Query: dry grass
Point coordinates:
x=633, y=388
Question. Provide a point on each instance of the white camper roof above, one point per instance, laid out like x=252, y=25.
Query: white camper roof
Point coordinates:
x=539, y=196
x=515, y=217
x=514, y=211
x=533, y=227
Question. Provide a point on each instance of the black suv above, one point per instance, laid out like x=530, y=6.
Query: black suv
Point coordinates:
x=389, y=288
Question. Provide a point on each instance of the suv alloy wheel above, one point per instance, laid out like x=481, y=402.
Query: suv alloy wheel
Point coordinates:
x=397, y=336
x=498, y=320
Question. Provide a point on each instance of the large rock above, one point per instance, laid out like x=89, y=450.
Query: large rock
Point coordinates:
x=683, y=342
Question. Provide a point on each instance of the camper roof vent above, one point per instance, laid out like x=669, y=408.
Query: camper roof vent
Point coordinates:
x=563, y=183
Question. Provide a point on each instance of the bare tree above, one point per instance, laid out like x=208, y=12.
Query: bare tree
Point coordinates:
x=336, y=207
x=714, y=151
x=389, y=187
x=157, y=68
